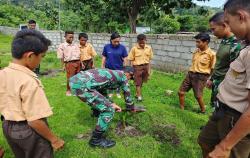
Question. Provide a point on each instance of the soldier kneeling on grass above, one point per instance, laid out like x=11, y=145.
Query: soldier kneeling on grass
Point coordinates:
x=91, y=86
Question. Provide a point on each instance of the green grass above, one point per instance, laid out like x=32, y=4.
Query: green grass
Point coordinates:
x=72, y=117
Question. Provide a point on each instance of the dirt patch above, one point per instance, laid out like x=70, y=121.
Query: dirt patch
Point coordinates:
x=166, y=134
x=50, y=73
x=124, y=129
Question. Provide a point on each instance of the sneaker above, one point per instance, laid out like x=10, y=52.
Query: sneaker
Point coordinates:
x=118, y=96
x=68, y=93
x=110, y=95
x=139, y=99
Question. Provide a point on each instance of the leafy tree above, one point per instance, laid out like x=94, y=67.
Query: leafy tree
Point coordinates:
x=166, y=24
x=186, y=22
x=106, y=15
x=134, y=7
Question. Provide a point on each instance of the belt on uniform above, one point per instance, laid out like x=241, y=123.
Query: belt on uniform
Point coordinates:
x=198, y=73
x=72, y=61
x=3, y=119
x=141, y=64
x=229, y=109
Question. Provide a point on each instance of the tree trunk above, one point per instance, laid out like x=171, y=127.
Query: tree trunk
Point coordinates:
x=132, y=22
x=133, y=12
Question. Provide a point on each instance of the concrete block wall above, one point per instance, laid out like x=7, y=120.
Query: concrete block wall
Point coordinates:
x=172, y=52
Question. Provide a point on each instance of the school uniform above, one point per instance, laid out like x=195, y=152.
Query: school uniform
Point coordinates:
x=232, y=102
x=140, y=58
x=87, y=53
x=22, y=99
x=70, y=54
x=202, y=64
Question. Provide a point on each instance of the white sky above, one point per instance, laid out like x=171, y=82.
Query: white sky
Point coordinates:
x=211, y=3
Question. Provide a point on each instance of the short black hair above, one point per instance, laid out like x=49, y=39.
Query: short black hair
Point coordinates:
x=29, y=40
x=204, y=37
x=218, y=18
x=31, y=22
x=130, y=70
x=114, y=35
x=141, y=37
x=232, y=6
x=69, y=32
x=84, y=35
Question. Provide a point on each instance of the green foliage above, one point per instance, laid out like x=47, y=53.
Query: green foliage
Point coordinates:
x=194, y=19
x=166, y=24
x=51, y=11
x=203, y=11
x=114, y=26
x=12, y=15
x=186, y=22
x=201, y=24
x=106, y=15
x=67, y=23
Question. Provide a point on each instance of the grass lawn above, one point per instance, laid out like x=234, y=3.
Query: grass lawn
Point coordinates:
x=160, y=127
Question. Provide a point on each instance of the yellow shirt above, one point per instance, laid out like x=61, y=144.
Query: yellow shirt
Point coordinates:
x=203, y=61
x=87, y=52
x=21, y=95
x=139, y=55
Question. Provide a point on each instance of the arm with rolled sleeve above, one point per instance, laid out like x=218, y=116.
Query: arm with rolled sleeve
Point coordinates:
x=124, y=56
x=213, y=61
x=212, y=64
x=124, y=52
x=60, y=52
x=93, y=52
x=104, y=55
x=151, y=54
x=126, y=91
x=241, y=128
x=60, y=55
x=131, y=55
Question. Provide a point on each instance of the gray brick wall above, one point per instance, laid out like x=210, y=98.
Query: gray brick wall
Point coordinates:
x=172, y=53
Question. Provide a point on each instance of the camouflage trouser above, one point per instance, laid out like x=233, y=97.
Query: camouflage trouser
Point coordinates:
x=216, y=83
x=98, y=102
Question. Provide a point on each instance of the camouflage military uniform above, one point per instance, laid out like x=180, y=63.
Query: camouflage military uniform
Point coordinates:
x=91, y=87
x=228, y=51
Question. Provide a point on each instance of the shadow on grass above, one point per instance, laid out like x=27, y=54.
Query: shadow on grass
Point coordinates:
x=84, y=118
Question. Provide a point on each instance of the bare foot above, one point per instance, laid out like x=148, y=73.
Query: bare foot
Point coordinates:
x=1, y=152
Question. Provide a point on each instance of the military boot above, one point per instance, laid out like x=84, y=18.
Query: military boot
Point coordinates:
x=97, y=140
